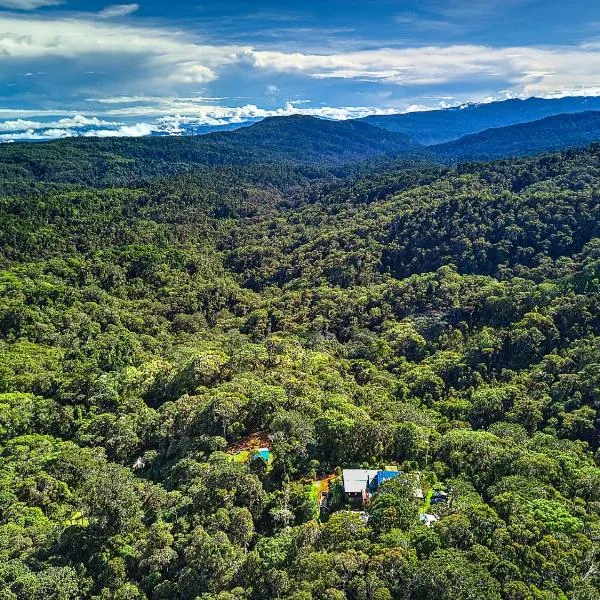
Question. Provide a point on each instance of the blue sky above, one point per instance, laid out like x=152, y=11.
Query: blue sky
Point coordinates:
x=90, y=67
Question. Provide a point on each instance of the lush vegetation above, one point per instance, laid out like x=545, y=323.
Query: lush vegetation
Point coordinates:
x=443, y=320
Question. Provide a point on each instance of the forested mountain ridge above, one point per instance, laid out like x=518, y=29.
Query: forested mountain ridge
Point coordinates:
x=295, y=140
x=443, y=320
x=439, y=126
x=315, y=149
x=525, y=139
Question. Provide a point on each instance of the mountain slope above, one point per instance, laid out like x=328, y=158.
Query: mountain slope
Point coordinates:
x=278, y=142
x=304, y=139
x=275, y=141
x=526, y=139
x=435, y=127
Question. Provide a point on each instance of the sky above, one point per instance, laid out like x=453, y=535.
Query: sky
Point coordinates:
x=83, y=67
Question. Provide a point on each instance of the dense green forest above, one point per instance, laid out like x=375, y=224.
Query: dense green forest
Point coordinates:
x=155, y=313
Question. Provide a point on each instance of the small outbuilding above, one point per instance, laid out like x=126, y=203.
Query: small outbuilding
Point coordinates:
x=360, y=484
x=428, y=519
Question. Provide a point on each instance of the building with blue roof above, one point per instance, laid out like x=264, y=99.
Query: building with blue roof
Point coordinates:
x=382, y=477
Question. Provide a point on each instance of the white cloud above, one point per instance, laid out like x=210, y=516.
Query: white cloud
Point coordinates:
x=218, y=115
x=191, y=72
x=75, y=122
x=29, y=4
x=37, y=136
x=162, y=55
x=529, y=70
x=118, y=10
x=55, y=133
x=137, y=130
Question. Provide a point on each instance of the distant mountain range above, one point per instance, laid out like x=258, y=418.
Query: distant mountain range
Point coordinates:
x=302, y=139
x=438, y=126
x=426, y=128
x=294, y=140
x=433, y=127
x=558, y=132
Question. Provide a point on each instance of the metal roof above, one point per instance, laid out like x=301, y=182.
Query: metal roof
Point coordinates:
x=357, y=480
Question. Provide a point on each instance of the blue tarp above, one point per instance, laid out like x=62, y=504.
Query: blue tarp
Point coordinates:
x=439, y=497
x=382, y=477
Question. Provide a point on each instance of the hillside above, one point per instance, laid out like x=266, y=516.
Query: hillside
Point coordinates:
x=305, y=148
x=438, y=126
x=154, y=336
x=526, y=139
x=310, y=139
x=275, y=141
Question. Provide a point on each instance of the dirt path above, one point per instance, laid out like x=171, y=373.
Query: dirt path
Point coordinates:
x=322, y=484
x=254, y=441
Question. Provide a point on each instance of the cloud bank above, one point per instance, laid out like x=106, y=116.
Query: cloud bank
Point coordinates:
x=75, y=122
x=149, y=56
x=164, y=55
x=530, y=70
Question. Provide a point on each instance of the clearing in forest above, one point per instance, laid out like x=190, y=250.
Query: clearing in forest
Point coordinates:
x=249, y=445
